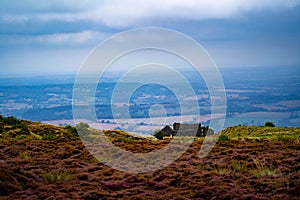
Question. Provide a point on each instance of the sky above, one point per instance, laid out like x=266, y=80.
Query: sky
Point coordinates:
x=42, y=36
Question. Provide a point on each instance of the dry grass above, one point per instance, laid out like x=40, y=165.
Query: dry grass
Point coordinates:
x=58, y=176
x=25, y=155
x=262, y=169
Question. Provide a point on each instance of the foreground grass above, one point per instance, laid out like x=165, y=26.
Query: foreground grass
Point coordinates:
x=234, y=169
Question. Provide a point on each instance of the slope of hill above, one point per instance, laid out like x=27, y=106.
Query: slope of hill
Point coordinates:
x=50, y=162
x=262, y=132
x=14, y=129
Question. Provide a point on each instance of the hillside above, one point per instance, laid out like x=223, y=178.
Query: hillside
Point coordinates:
x=50, y=162
x=262, y=132
x=15, y=129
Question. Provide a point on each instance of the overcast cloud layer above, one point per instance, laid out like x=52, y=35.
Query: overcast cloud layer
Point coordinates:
x=47, y=35
x=128, y=13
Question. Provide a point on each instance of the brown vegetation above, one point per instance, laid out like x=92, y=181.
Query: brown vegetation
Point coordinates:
x=260, y=169
x=234, y=169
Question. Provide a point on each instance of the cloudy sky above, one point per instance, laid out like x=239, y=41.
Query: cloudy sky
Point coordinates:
x=42, y=36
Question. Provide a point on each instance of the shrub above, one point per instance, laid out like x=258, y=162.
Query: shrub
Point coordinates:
x=269, y=124
x=49, y=137
x=21, y=137
x=82, y=125
x=24, y=131
x=11, y=120
x=21, y=125
x=224, y=137
x=159, y=135
x=72, y=130
x=82, y=128
x=129, y=139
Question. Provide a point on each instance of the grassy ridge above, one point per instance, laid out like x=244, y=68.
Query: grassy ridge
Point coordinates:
x=237, y=132
x=15, y=129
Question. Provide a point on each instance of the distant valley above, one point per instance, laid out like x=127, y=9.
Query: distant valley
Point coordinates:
x=254, y=95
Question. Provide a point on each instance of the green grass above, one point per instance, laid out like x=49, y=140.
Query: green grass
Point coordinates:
x=253, y=132
x=14, y=129
x=129, y=140
x=49, y=137
x=224, y=137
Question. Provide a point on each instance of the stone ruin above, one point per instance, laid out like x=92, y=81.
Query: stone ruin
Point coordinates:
x=187, y=130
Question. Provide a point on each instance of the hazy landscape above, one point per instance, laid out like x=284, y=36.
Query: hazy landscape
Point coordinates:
x=249, y=161
x=253, y=97
x=128, y=99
